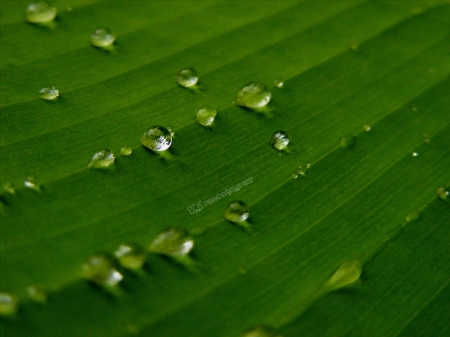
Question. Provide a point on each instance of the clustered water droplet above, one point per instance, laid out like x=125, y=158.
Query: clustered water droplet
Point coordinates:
x=187, y=77
x=49, y=93
x=206, y=115
x=301, y=171
x=102, y=160
x=253, y=95
x=103, y=37
x=157, y=138
x=40, y=12
x=8, y=304
x=279, y=140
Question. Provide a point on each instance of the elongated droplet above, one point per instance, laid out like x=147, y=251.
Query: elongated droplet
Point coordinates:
x=157, y=138
x=187, y=77
x=172, y=242
x=31, y=183
x=279, y=140
x=9, y=188
x=102, y=159
x=348, y=141
x=100, y=269
x=412, y=216
x=8, y=304
x=253, y=95
x=131, y=256
x=40, y=12
x=126, y=151
x=278, y=83
x=347, y=274
x=206, y=115
x=366, y=128
x=37, y=294
x=49, y=93
x=103, y=37
x=442, y=193
x=261, y=331
x=237, y=211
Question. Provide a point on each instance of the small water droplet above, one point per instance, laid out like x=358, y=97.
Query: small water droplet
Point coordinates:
x=157, y=138
x=172, y=133
x=261, y=331
x=302, y=170
x=278, y=83
x=40, y=12
x=31, y=183
x=172, y=242
x=347, y=274
x=9, y=188
x=102, y=159
x=414, y=108
x=253, y=95
x=426, y=139
x=187, y=77
x=8, y=304
x=126, y=151
x=103, y=37
x=206, y=115
x=294, y=176
x=442, y=193
x=415, y=154
x=353, y=45
x=237, y=211
x=279, y=140
x=348, y=141
x=49, y=93
x=37, y=294
x=412, y=216
x=100, y=269
x=131, y=256
x=366, y=128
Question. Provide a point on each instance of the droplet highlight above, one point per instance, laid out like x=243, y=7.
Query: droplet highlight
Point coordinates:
x=40, y=12
x=347, y=274
x=237, y=212
x=206, y=116
x=126, y=151
x=49, y=93
x=187, y=77
x=301, y=171
x=102, y=160
x=130, y=256
x=157, y=138
x=253, y=95
x=100, y=269
x=279, y=140
x=8, y=304
x=173, y=242
x=103, y=37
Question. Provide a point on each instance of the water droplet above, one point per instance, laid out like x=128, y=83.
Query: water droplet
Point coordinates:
x=37, y=294
x=157, y=138
x=412, y=216
x=253, y=95
x=261, y=331
x=206, y=115
x=354, y=45
x=126, y=150
x=187, y=77
x=237, y=211
x=9, y=188
x=366, y=128
x=131, y=256
x=172, y=242
x=414, y=108
x=49, y=93
x=31, y=183
x=102, y=159
x=103, y=37
x=442, y=193
x=8, y=304
x=279, y=140
x=40, y=12
x=426, y=139
x=415, y=154
x=172, y=133
x=302, y=170
x=100, y=269
x=278, y=83
x=348, y=141
x=347, y=274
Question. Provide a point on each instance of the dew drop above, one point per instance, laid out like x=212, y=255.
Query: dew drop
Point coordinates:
x=206, y=115
x=366, y=128
x=100, y=269
x=157, y=138
x=103, y=37
x=415, y=154
x=253, y=95
x=347, y=274
x=442, y=193
x=172, y=242
x=261, y=331
x=31, y=183
x=37, y=294
x=278, y=83
x=126, y=150
x=187, y=77
x=426, y=139
x=279, y=140
x=131, y=256
x=237, y=211
x=8, y=304
x=9, y=188
x=302, y=170
x=49, y=93
x=102, y=159
x=412, y=216
x=348, y=141
x=40, y=12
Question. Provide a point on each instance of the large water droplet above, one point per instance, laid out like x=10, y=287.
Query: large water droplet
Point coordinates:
x=100, y=269
x=126, y=151
x=206, y=115
x=8, y=304
x=37, y=294
x=279, y=140
x=9, y=188
x=157, y=138
x=187, y=77
x=49, y=93
x=131, y=256
x=40, y=12
x=103, y=37
x=237, y=211
x=442, y=193
x=172, y=242
x=347, y=274
x=253, y=95
x=261, y=331
x=31, y=183
x=412, y=216
x=102, y=159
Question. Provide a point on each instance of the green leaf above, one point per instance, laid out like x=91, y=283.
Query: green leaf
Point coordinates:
x=377, y=71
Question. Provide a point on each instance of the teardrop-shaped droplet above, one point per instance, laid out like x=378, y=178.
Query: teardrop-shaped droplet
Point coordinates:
x=206, y=115
x=412, y=216
x=100, y=269
x=40, y=12
x=157, y=138
x=49, y=93
x=102, y=159
x=103, y=37
x=126, y=151
x=279, y=140
x=443, y=193
x=347, y=274
x=237, y=211
x=8, y=304
x=187, y=77
x=131, y=256
x=172, y=242
x=37, y=294
x=348, y=141
x=253, y=95
x=261, y=331
x=31, y=184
